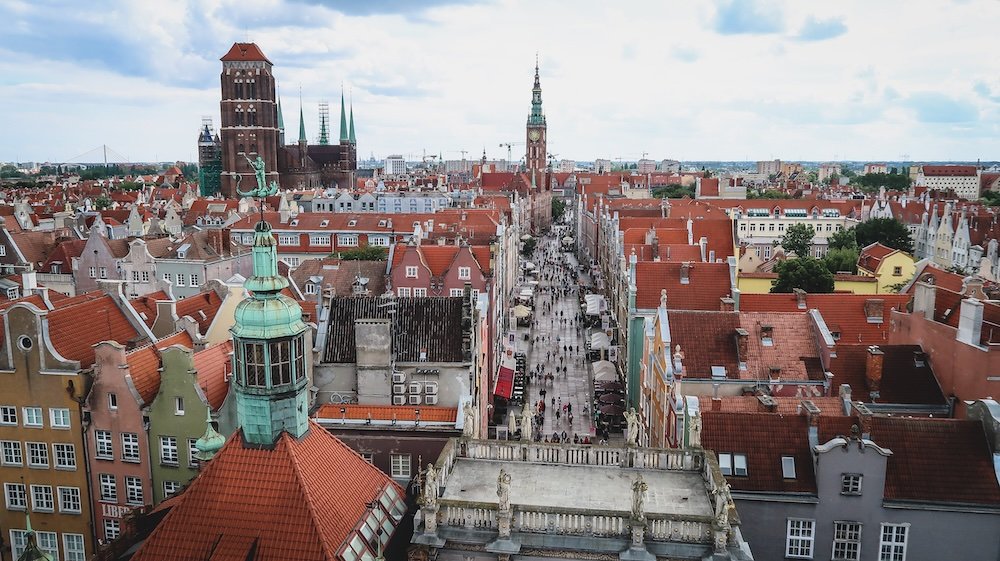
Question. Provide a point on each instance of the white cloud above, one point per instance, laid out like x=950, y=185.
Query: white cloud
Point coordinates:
x=618, y=79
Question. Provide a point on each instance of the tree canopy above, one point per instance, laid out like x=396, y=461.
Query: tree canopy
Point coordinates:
x=886, y=231
x=673, y=192
x=558, y=208
x=891, y=181
x=767, y=194
x=366, y=253
x=807, y=273
x=528, y=246
x=842, y=260
x=798, y=239
x=843, y=239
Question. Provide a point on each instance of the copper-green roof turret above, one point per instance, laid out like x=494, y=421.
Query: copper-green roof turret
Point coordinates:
x=344, y=135
x=209, y=443
x=270, y=347
x=281, y=118
x=536, y=117
x=350, y=135
x=31, y=550
x=302, y=125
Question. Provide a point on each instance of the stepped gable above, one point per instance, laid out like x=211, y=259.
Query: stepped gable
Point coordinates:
x=298, y=499
x=432, y=324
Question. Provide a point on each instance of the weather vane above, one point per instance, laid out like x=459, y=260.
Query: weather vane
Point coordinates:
x=262, y=189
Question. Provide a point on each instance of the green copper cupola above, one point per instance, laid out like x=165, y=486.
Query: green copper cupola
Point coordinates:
x=536, y=117
x=270, y=342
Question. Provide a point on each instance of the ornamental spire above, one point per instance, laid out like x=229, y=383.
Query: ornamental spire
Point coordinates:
x=350, y=135
x=536, y=117
x=302, y=123
x=344, y=135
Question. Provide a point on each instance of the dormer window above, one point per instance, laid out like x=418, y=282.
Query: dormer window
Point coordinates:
x=767, y=335
x=788, y=467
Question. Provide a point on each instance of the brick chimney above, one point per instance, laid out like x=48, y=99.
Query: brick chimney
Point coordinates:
x=727, y=304
x=865, y=418
x=686, y=273
x=767, y=403
x=812, y=413
x=873, y=369
x=716, y=404
x=742, y=346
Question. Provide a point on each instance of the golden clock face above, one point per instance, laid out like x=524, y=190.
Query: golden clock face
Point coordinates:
x=534, y=136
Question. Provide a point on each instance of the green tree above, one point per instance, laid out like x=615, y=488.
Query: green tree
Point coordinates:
x=886, y=231
x=990, y=198
x=843, y=239
x=558, y=208
x=102, y=202
x=891, y=181
x=798, y=239
x=366, y=253
x=768, y=194
x=528, y=246
x=806, y=273
x=842, y=260
x=673, y=192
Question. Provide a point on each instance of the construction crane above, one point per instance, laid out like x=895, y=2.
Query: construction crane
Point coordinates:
x=508, y=145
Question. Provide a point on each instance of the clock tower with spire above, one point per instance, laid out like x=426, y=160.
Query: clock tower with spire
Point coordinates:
x=536, y=154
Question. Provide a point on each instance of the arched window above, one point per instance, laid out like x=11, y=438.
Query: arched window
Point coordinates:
x=241, y=149
x=253, y=148
x=253, y=89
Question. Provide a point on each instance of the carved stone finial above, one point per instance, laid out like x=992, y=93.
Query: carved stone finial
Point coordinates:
x=503, y=491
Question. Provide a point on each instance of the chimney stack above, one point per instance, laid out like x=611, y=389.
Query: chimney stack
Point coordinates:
x=873, y=370
x=865, y=417
x=703, y=246
x=970, y=322
x=742, y=346
x=875, y=310
x=800, y=297
x=727, y=304
x=716, y=404
x=923, y=300
x=29, y=282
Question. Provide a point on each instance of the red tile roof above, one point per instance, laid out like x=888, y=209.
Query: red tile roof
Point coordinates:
x=201, y=307
x=937, y=460
x=181, y=338
x=843, y=313
x=871, y=256
x=938, y=171
x=754, y=434
x=145, y=306
x=300, y=499
x=75, y=329
x=214, y=365
x=144, y=368
x=708, y=282
x=429, y=413
x=244, y=52
x=832, y=406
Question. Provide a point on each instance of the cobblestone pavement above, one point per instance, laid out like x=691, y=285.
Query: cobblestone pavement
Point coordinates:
x=575, y=387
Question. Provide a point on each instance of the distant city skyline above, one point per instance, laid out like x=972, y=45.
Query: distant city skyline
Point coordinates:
x=724, y=80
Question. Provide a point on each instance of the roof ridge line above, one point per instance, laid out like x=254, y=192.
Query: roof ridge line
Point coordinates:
x=300, y=479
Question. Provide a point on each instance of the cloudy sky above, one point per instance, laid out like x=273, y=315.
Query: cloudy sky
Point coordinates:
x=693, y=79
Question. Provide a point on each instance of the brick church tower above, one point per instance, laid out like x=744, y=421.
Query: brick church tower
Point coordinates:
x=249, y=124
x=536, y=156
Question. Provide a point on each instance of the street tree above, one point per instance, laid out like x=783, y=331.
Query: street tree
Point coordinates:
x=806, y=273
x=887, y=231
x=798, y=239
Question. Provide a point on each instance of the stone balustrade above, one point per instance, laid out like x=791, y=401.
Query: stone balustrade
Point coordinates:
x=568, y=454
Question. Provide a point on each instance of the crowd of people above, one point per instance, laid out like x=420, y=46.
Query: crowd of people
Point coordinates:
x=557, y=348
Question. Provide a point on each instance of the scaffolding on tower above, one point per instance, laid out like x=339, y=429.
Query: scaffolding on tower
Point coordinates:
x=324, y=123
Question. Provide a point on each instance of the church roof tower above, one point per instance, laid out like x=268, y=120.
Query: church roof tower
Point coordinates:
x=350, y=135
x=272, y=393
x=536, y=117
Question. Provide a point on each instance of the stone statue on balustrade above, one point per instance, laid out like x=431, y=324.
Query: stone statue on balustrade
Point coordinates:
x=429, y=496
x=469, y=420
x=639, y=488
x=503, y=491
x=694, y=435
x=632, y=424
x=721, y=496
x=526, y=427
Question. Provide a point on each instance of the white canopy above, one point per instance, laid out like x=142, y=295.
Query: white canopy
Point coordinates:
x=529, y=265
x=604, y=371
x=521, y=311
x=595, y=304
x=599, y=340
x=567, y=239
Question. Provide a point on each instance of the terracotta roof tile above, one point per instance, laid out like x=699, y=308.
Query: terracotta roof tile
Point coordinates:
x=144, y=368
x=429, y=413
x=708, y=282
x=75, y=329
x=340, y=275
x=937, y=460
x=214, y=365
x=832, y=406
x=793, y=350
x=707, y=339
x=282, y=498
x=244, y=52
x=844, y=314
x=201, y=307
x=145, y=306
x=871, y=256
x=764, y=438
x=181, y=338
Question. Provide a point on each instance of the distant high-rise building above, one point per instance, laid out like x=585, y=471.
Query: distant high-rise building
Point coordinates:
x=209, y=160
x=395, y=165
x=536, y=155
x=646, y=166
